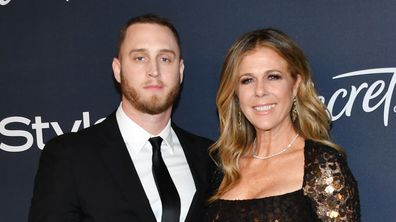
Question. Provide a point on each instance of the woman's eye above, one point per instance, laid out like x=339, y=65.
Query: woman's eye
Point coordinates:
x=274, y=76
x=246, y=81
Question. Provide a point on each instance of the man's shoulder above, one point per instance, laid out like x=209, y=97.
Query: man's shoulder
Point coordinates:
x=184, y=134
x=84, y=138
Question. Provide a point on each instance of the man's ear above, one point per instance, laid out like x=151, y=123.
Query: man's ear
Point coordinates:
x=181, y=70
x=116, y=69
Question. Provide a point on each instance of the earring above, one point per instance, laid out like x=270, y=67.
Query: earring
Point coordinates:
x=294, y=110
x=239, y=118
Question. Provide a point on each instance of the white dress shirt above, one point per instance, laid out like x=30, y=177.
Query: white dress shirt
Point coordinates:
x=140, y=150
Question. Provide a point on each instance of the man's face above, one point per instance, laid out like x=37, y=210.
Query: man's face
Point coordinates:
x=149, y=68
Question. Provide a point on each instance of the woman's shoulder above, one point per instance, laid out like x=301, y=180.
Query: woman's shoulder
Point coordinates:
x=326, y=169
x=319, y=153
x=328, y=179
x=325, y=166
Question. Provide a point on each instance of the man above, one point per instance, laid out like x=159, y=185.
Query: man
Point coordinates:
x=135, y=165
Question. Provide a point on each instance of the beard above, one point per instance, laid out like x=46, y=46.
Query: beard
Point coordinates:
x=154, y=104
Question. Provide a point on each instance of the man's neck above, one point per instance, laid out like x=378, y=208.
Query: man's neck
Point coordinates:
x=153, y=124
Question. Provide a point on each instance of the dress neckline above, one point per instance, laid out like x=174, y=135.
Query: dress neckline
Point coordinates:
x=301, y=189
x=292, y=193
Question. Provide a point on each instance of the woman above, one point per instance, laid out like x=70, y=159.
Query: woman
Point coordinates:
x=276, y=160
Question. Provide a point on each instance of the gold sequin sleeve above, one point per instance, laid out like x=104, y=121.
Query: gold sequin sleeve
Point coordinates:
x=330, y=185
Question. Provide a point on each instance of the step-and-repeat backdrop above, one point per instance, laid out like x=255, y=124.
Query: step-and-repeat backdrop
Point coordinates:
x=55, y=77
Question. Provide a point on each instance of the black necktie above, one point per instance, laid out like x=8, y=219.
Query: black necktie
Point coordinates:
x=166, y=188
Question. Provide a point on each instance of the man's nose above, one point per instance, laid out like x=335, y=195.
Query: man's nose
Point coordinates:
x=153, y=69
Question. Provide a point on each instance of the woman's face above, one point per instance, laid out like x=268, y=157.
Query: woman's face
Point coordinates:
x=266, y=89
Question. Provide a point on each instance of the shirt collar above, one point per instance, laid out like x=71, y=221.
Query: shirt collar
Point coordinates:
x=136, y=138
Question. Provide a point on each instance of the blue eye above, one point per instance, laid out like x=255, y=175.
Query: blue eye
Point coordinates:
x=246, y=81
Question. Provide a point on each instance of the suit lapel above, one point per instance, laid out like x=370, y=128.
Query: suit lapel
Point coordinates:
x=120, y=165
x=195, y=159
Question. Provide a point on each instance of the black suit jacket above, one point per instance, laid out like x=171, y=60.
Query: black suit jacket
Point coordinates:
x=89, y=176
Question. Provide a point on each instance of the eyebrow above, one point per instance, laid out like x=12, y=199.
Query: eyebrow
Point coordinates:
x=168, y=51
x=266, y=72
x=245, y=74
x=145, y=50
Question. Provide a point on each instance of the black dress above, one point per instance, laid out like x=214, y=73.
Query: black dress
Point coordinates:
x=329, y=193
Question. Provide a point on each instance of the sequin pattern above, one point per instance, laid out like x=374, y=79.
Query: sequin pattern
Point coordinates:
x=330, y=185
x=329, y=193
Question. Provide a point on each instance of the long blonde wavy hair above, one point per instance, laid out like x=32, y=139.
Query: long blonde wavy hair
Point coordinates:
x=236, y=132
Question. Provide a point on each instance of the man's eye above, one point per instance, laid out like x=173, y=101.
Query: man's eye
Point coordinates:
x=139, y=58
x=165, y=59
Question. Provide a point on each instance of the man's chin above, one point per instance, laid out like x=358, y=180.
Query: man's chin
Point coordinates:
x=153, y=106
x=150, y=104
x=155, y=109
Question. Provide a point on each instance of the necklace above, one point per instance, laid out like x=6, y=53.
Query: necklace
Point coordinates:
x=254, y=155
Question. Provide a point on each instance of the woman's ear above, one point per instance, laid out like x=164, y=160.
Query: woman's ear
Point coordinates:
x=296, y=85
